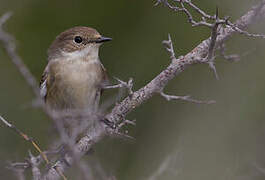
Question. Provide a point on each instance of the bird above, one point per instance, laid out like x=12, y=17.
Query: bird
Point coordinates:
x=74, y=76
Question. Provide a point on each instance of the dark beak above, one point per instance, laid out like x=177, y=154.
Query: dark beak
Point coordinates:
x=103, y=39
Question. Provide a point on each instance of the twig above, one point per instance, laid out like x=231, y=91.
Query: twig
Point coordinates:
x=27, y=164
x=18, y=169
x=26, y=137
x=182, y=8
x=185, y=98
x=211, y=51
x=246, y=33
x=10, y=47
x=205, y=18
x=9, y=44
x=122, y=84
x=18, y=165
x=196, y=56
x=168, y=44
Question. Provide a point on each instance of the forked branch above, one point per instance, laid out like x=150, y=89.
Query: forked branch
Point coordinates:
x=222, y=30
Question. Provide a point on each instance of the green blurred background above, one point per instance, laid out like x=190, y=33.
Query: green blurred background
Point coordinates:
x=220, y=141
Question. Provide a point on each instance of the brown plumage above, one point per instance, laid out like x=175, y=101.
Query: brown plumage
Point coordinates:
x=74, y=76
x=64, y=41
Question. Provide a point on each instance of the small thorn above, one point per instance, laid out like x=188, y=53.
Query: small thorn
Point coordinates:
x=217, y=13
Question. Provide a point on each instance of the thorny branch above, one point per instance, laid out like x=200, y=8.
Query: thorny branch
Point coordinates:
x=206, y=19
x=33, y=160
x=210, y=56
x=222, y=30
x=196, y=56
x=169, y=47
x=182, y=8
x=25, y=136
x=8, y=42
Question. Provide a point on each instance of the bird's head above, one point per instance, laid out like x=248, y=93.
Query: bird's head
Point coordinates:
x=77, y=42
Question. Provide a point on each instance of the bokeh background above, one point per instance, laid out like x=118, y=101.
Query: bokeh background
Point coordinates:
x=222, y=141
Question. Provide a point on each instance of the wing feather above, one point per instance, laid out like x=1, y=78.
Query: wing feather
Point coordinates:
x=43, y=83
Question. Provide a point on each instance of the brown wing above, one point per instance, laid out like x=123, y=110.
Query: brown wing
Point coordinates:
x=105, y=81
x=44, y=82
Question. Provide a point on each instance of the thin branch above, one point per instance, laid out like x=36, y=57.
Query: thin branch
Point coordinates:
x=182, y=8
x=168, y=44
x=125, y=122
x=122, y=84
x=27, y=164
x=18, y=169
x=18, y=165
x=196, y=56
x=206, y=18
x=211, y=50
x=156, y=85
x=116, y=131
x=25, y=137
x=8, y=43
x=246, y=33
x=185, y=98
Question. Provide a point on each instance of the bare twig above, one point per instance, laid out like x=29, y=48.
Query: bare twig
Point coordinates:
x=18, y=165
x=196, y=56
x=27, y=164
x=9, y=44
x=117, y=130
x=26, y=137
x=168, y=44
x=206, y=19
x=211, y=51
x=246, y=33
x=185, y=98
x=18, y=169
x=122, y=84
x=182, y=8
x=125, y=122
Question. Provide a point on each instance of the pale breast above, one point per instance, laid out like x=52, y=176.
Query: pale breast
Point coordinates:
x=76, y=84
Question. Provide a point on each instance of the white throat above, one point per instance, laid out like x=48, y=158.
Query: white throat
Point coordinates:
x=90, y=53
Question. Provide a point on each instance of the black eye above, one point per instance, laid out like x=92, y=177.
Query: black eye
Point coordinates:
x=78, y=39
